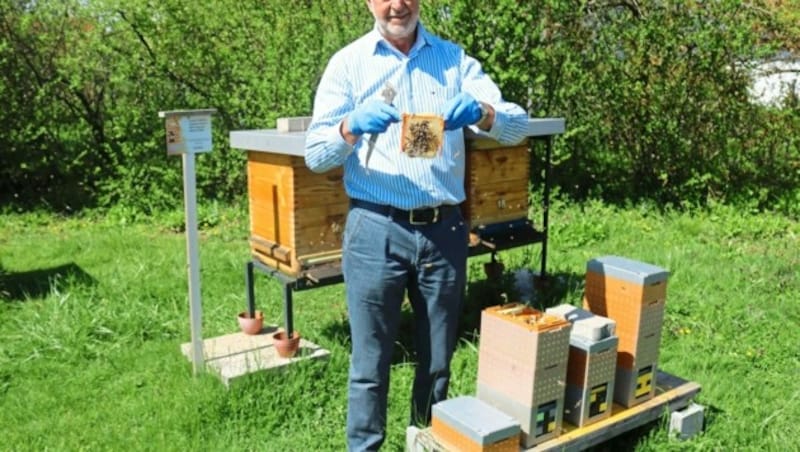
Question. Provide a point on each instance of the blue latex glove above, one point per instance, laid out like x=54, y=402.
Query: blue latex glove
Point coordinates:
x=461, y=111
x=372, y=117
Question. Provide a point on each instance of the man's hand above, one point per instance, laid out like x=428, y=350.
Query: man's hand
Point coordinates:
x=461, y=111
x=372, y=117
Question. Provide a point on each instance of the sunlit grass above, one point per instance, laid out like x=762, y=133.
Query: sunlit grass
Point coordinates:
x=95, y=308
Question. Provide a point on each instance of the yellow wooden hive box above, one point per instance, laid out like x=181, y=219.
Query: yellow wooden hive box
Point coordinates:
x=297, y=216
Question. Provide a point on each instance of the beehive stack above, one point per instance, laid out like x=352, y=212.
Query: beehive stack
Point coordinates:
x=591, y=366
x=632, y=294
x=522, y=364
x=467, y=424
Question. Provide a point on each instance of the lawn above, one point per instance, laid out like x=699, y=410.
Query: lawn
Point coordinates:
x=94, y=309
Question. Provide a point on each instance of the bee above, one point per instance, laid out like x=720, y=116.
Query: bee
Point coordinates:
x=420, y=139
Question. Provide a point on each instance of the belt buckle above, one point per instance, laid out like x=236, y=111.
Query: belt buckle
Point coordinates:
x=414, y=222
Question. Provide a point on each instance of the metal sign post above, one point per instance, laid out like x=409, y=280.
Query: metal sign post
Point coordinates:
x=189, y=133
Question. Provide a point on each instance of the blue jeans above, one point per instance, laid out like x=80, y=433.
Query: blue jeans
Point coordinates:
x=383, y=258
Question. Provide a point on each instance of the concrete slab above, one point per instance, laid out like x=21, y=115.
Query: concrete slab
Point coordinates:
x=235, y=355
x=418, y=440
x=687, y=422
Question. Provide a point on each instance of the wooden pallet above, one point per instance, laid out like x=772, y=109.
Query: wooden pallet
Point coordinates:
x=672, y=394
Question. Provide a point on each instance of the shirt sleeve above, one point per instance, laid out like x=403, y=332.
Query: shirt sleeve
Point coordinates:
x=511, y=120
x=325, y=147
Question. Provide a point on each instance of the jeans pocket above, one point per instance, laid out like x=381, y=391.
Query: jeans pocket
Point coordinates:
x=352, y=225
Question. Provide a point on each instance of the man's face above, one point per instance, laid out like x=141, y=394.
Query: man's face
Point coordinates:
x=396, y=19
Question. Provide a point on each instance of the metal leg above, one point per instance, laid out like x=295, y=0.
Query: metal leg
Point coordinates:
x=546, y=206
x=288, y=284
x=251, y=293
x=287, y=310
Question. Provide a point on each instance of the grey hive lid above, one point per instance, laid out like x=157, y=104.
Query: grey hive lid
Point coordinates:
x=591, y=327
x=569, y=312
x=477, y=420
x=627, y=270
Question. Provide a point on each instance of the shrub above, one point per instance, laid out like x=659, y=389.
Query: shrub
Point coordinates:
x=654, y=94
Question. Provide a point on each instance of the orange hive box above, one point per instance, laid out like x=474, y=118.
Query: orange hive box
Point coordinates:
x=633, y=294
x=467, y=424
x=522, y=364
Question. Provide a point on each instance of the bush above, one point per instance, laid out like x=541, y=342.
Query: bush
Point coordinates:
x=87, y=121
x=655, y=96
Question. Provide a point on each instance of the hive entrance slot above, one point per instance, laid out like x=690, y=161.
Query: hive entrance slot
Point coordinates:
x=276, y=214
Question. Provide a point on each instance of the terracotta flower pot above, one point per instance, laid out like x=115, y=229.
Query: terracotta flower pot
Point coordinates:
x=285, y=346
x=251, y=325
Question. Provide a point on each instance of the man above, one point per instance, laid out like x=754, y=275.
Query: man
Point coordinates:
x=404, y=231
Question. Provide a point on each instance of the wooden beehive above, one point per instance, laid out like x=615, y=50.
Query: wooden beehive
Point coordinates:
x=496, y=182
x=296, y=216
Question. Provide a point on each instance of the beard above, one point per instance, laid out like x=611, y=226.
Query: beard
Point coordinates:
x=398, y=31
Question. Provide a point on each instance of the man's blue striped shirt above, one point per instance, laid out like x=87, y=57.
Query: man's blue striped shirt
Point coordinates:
x=433, y=72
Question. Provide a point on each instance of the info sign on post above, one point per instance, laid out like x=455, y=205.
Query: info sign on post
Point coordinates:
x=188, y=133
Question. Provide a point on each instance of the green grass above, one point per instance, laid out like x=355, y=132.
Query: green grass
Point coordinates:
x=94, y=311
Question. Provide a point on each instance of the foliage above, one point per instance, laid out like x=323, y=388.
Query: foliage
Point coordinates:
x=103, y=70
x=654, y=93
x=785, y=25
